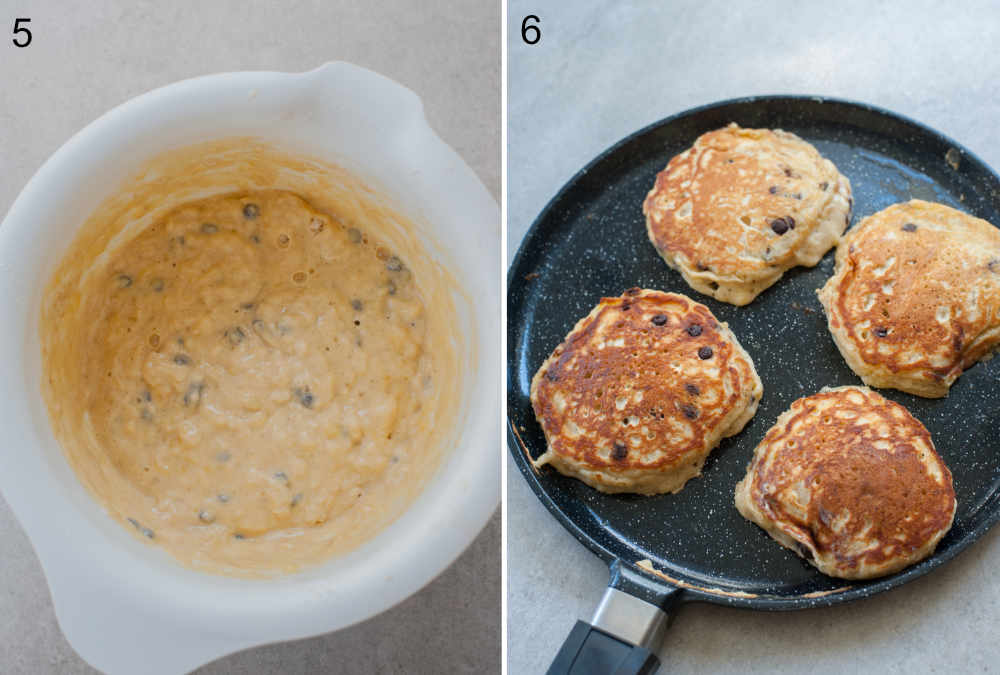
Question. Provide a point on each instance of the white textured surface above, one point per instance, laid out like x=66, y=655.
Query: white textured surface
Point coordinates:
x=87, y=59
x=603, y=70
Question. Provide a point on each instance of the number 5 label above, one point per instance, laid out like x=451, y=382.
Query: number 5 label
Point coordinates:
x=22, y=36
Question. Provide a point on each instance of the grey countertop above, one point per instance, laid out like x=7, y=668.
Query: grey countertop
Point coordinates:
x=86, y=58
x=603, y=70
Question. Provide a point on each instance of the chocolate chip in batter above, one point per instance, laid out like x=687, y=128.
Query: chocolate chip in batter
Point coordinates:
x=788, y=172
x=635, y=290
x=296, y=499
x=146, y=396
x=235, y=335
x=692, y=389
x=909, y=227
x=705, y=353
x=281, y=476
x=206, y=516
x=619, y=452
x=124, y=281
x=881, y=331
x=251, y=211
x=694, y=330
x=702, y=267
x=356, y=305
x=773, y=189
x=823, y=186
x=209, y=228
x=689, y=411
x=182, y=360
x=394, y=264
x=994, y=266
x=304, y=395
x=146, y=532
x=659, y=319
x=240, y=536
x=255, y=238
x=354, y=235
x=192, y=397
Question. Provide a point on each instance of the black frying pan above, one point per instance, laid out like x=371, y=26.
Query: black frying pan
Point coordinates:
x=590, y=241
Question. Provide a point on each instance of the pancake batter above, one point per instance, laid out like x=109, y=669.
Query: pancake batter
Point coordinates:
x=252, y=373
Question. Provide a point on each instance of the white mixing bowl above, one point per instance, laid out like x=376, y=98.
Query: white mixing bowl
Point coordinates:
x=126, y=606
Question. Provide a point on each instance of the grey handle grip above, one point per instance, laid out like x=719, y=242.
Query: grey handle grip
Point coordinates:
x=591, y=651
x=626, y=629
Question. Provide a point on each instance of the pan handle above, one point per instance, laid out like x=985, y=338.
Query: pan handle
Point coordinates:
x=627, y=627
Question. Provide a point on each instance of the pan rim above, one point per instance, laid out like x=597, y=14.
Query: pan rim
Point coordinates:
x=981, y=520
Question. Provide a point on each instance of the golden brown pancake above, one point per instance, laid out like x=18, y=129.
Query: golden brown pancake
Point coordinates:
x=741, y=206
x=640, y=391
x=850, y=481
x=915, y=296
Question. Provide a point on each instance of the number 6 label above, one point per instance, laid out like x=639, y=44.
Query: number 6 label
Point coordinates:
x=530, y=32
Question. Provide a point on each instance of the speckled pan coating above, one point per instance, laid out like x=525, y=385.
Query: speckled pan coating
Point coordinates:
x=590, y=242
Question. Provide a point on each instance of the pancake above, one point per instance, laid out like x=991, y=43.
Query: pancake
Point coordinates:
x=640, y=391
x=742, y=206
x=851, y=482
x=915, y=297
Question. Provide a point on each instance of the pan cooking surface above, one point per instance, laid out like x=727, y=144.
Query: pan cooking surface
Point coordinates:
x=590, y=242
